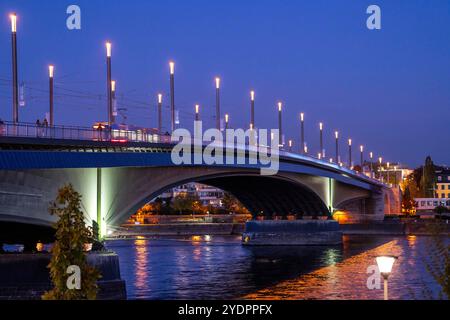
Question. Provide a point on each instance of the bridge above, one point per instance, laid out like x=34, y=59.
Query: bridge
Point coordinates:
x=118, y=172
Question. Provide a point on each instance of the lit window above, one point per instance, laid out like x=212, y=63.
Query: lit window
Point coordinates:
x=439, y=178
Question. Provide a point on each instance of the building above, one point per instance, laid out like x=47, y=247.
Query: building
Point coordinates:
x=442, y=190
x=429, y=204
x=209, y=196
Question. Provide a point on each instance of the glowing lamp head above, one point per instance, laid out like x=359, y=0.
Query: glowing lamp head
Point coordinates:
x=388, y=164
x=13, y=18
x=361, y=148
x=280, y=106
x=252, y=95
x=371, y=155
x=217, y=83
x=331, y=160
x=336, y=134
x=197, y=108
x=226, y=117
x=350, y=142
x=321, y=126
x=172, y=67
x=380, y=160
x=113, y=85
x=302, y=117
x=108, y=49
x=251, y=126
x=305, y=148
x=290, y=143
x=385, y=264
x=50, y=71
x=319, y=155
x=159, y=98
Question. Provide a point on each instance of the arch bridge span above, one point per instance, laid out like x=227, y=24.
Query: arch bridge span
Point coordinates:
x=114, y=184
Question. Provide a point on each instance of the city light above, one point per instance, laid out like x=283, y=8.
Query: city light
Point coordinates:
x=385, y=264
x=350, y=142
x=321, y=126
x=252, y=95
x=218, y=83
x=226, y=117
x=108, y=49
x=302, y=117
x=280, y=105
x=172, y=67
x=197, y=108
x=160, y=98
x=336, y=134
x=113, y=85
x=13, y=18
x=50, y=71
x=361, y=148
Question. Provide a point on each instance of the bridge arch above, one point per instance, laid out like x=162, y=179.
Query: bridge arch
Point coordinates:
x=271, y=195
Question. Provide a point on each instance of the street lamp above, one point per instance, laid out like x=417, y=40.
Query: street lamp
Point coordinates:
x=252, y=109
x=217, y=103
x=197, y=112
x=13, y=18
x=302, y=131
x=226, y=121
x=50, y=85
x=336, y=135
x=371, y=164
x=361, y=157
x=350, y=153
x=385, y=264
x=322, y=151
x=108, y=81
x=290, y=145
x=380, y=161
x=159, y=113
x=172, y=95
x=280, y=127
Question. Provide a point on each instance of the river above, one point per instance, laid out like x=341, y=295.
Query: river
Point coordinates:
x=219, y=267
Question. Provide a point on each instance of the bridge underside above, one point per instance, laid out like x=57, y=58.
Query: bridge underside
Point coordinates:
x=272, y=196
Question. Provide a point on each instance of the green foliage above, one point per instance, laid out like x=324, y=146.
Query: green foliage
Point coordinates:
x=408, y=203
x=427, y=182
x=71, y=236
x=185, y=203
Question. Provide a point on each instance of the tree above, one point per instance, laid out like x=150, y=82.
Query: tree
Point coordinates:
x=185, y=202
x=68, y=250
x=408, y=203
x=427, y=182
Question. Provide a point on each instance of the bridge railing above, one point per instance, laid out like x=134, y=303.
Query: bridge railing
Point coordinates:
x=31, y=130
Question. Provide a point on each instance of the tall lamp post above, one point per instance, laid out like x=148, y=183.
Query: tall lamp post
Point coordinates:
x=252, y=109
x=280, y=127
x=159, y=113
x=226, y=121
x=302, y=133
x=50, y=90
x=108, y=82
x=361, y=157
x=218, y=103
x=336, y=135
x=197, y=112
x=371, y=164
x=172, y=95
x=322, y=150
x=385, y=264
x=350, y=153
x=13, y=18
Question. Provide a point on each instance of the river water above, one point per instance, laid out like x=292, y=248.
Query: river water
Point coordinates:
x=219, y=267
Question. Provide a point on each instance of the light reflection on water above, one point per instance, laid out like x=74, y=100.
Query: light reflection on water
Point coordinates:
x=217, y=267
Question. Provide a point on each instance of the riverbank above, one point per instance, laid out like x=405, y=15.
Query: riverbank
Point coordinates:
x=187, y=229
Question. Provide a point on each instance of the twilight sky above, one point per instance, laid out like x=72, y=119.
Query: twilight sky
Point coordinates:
x=387, y=89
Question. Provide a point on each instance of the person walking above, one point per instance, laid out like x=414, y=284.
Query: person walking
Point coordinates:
x=38, y=127
x=45, y=125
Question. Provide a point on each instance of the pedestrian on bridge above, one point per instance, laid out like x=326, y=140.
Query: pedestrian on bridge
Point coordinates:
x=38, y=126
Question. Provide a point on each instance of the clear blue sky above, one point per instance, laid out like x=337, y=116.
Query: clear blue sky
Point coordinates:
x=387, y=89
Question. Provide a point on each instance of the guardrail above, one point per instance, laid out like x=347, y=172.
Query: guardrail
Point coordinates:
x=31, y=130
